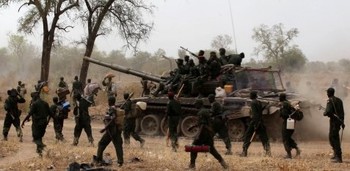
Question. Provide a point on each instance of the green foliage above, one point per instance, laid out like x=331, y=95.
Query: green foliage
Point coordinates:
x=274, y=44
x=221, y=41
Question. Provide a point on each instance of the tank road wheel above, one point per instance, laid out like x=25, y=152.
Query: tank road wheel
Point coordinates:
x=188, y=122
x=164, y=126
x=150, y=125
x=236, y=129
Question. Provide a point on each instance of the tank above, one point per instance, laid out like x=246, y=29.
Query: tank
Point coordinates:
x=239, y=82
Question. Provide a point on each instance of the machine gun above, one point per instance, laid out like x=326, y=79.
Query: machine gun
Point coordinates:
x=193, y=54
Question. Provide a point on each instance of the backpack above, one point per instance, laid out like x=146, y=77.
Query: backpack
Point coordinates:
x=119, y=118
x=297, y=114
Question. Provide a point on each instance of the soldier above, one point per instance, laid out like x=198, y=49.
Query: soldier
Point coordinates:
x=111, y=87
x=256, y=126
x=145, y=89
x=77, y=88
x=12, y=114
x=62, y=83
x=40, y=110
x=285, y=113
x=203, y=75
x=219, y=124
x=205, y=135
x=57, y=114
x=223, y=58
x=19, y=85
x=129, y=121
x=187, y=64
x=112, y=133
x=173, y=112
x=335, y=112
x=82, y=120
x=236, y=59
x=91, y=90
x=214, y=65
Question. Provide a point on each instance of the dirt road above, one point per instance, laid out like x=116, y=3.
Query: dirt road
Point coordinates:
x=156, y=156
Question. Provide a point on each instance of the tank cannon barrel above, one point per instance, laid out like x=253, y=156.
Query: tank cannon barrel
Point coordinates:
x=125, y=70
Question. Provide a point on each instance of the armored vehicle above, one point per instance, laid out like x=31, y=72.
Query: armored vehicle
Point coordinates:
x=236, y=103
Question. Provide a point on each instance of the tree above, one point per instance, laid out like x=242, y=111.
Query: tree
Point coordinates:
x=49, y=12
x=273, y=42
x=221, y=41
x=101, y=17
x=293, y=60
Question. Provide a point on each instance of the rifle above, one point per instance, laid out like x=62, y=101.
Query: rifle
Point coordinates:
x=336, y=116
x=180, y=91
x=193, y=54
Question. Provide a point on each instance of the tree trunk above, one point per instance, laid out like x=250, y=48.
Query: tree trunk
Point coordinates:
x=85, y=66
x=45, y=58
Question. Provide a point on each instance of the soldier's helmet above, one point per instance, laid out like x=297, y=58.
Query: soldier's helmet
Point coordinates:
x=126, y=96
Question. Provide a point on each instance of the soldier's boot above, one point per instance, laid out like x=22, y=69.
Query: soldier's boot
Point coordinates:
x=224, y=164
x=244, y=152
x=191, y=166
x=228, y=152
x=338, y=159
x=142, y=143
x=173, y=145
x=96, y=161
x=298, y=151
x=289, y=155
x=19, y=134
x=267, y=150
x=75, y=141
x=91, y=141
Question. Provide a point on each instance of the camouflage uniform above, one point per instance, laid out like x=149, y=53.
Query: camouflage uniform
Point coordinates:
x=12, y=114
x=256, y=125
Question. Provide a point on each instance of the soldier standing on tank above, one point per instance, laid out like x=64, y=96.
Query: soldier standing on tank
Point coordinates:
x=129, y=121
x=77, y=88
x=12, y=114
x=112, y=133
x=256, y=126
x=335, y=112
x=174, y=113
x=214, y=65
x=205, y=135
x=288, y=142
x=219, y=124
x=223, y=58
x=39, y=111
x=58, y=118
x=82, y=120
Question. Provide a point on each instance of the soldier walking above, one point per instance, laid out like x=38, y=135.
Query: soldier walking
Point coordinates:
x=288, y=142
x=82, y=120
x=112, y=133
x=219, y=124
x=205, y=135
x=129, y=121
x=256, y=126
x=173, y=112
x=39, y=111
x=57, y=114
x=12, y=114
x=335, y=112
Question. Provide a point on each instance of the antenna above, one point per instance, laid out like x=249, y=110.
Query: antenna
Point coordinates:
x=233, y=26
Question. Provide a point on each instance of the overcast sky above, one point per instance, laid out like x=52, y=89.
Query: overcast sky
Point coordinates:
x=323, y=25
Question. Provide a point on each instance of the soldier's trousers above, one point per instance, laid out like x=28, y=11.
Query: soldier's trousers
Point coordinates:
x=11, y=121
x=129, y=129
x=173, y=122
x=114, y=135
x=38, y=132
x=205, y=138
x=58, y=127
x=287, y=139
x=261, y=131
x=221, y=129
x=83, y=123
x=334, y=139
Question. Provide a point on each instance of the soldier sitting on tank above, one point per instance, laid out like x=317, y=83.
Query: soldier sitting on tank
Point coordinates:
x=236, y=59
x=223, y=58
x=187, y=65
x=203, y=74
x=214, y=65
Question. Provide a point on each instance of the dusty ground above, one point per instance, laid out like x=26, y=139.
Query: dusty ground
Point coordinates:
x=156, y=156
